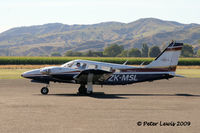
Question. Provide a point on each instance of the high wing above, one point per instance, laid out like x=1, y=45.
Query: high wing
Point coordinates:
x=92, y=75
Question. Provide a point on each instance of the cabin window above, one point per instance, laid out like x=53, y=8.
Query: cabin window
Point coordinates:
x=90, y=66
x=105, y=68
x=79, y=65
x=117, y=70
x=83, y=66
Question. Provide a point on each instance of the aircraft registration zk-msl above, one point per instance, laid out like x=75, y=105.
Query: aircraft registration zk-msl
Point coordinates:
x=86, y=73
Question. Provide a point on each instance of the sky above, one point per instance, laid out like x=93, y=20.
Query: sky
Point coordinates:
x=16, y=13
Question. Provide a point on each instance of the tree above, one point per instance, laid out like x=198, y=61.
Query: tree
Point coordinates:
x=198, y=53
x=68, y=53
x=187, y=51
x=154, y=51
x=124, y=53
x=77, y=54
x=134, y=52
x=98, y=54
x=72, y=53
x=113, y=50
x=55, y=54
x=91, y=53
x=145, y=50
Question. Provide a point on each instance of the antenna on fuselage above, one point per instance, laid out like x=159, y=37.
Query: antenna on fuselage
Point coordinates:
x=125, y=62
x=142, y=63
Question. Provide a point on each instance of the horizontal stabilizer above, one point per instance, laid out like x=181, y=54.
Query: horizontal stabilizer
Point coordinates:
x=176, y=75
x=181, y=76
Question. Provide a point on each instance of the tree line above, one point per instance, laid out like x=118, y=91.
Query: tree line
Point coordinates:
x=115, y=50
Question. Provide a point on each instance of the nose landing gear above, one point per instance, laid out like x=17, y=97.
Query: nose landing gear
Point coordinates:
x=45, y=90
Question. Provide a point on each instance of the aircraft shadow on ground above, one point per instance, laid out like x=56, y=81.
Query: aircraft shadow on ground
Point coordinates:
x=102, y=95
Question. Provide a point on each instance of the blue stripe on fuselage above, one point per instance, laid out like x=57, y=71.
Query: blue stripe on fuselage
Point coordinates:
x=117, y=79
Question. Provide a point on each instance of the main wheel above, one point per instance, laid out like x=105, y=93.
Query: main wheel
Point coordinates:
x=44, y=90
x=82, y=90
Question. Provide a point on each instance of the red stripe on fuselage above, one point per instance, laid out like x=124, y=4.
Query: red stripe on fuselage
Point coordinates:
x=174, y=49
x=172, y=68
x=72, y=72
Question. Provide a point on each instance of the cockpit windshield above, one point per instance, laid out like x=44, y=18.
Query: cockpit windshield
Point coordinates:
x=81, y=65
x=75, y=65
x=68, y=64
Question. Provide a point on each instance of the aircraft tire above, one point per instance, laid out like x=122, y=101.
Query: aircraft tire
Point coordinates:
x=90, y=93
x=44, y=91
x=82, y=90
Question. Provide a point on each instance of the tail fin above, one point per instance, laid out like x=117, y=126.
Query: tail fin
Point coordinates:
x=168, y=58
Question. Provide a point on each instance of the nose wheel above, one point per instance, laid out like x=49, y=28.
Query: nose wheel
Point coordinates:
x=44, y=90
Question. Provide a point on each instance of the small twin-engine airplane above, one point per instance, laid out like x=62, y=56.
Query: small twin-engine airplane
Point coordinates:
x=87, y=73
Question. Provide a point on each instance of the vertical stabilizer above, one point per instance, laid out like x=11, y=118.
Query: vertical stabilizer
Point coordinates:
x=168, y=58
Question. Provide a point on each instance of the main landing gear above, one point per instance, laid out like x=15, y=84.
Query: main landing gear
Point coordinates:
x=89, y=90
x=45, y=90
x=82, y=90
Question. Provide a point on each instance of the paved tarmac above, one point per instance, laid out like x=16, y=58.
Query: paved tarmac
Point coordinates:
x=111, y=109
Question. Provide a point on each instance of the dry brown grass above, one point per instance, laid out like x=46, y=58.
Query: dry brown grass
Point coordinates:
x=23, y=66
x=188, y=67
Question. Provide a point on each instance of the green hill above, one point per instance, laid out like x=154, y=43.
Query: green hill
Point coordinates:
x=56, y=37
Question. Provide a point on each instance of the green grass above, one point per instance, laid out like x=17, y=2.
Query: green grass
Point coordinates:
x=11, y=73
x=16, y=73
x=61, y=60
x=191, y=73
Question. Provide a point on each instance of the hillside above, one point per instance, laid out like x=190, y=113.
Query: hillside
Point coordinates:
x=56, y=37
